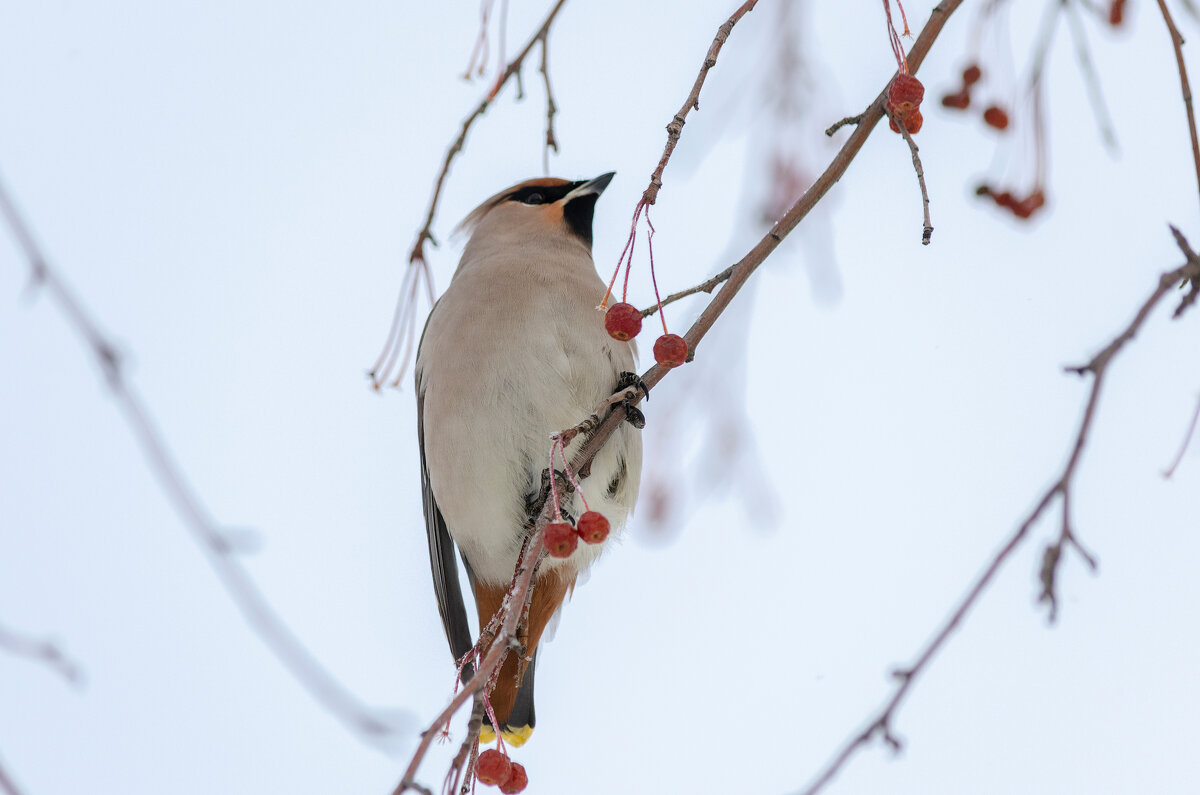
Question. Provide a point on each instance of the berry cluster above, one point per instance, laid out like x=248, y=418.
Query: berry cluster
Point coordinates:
x=493, y=768
x=561, y=538
x=1021, y=208
x=993, y=115
x=623, y=322
x=904, y=96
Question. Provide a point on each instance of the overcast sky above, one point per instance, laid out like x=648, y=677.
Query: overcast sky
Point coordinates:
x=232, y=189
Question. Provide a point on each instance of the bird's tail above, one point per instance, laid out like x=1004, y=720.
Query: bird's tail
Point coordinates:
x=518, y=727
x=512, y=698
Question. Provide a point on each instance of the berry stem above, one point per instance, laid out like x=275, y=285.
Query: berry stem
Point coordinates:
x=653, y=279
x=637, y=211
x=894, y=37
x=487, y=706
x=629, y=262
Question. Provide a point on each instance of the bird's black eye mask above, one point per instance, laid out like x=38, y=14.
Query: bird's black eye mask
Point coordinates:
x=542, y=194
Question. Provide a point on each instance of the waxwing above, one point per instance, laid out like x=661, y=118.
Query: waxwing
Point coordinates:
x=514, y=351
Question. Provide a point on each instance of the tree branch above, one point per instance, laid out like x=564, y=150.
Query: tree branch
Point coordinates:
x=7, y=785
x=45, y=652
x=401, y=337
x=927, y=227
x=880, y=724
x=1090, y=79
x=551, y=107
x=1185, y=87
x=1187, y=438
x=741, y=271
x=511, y=610
x=703, y=287
x=425, y=233
x=217, y=546
x=675, y=128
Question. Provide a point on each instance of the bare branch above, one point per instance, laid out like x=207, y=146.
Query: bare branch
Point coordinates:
x=45, y=652
x=840, y=123
x=398, y=345
x=1090, y=78
x=1187, y=438
x=217, y=547
x=551, y=107
x=512, y=610
x=425, y=233
x=880, y=723
x=790, y=220
x=675, y=128
x=1185, y=87
x=703, y=287
x=927, y=228
x=7, y=785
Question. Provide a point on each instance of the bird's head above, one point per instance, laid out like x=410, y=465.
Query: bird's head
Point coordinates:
x=539, y=208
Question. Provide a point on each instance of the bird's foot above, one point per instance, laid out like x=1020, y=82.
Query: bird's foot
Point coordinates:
x=631, y=384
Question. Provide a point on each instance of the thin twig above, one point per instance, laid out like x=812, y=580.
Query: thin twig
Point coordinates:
x=491, y=662
x=463, y=765
x=675, y=128
x=479, y=52
x=1185, y=87
x=401, y=335
x=1187, y=439
x=217, y=547
x=927, y=228
x=1090, y=78
x=703, y=287
x=7, y=785
x=551, y=107
x=425, y=233
x=45, y=652
x=790, y=220
x=840, y=123
x=1098, y=367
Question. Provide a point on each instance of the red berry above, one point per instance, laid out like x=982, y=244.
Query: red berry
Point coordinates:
x=623, y=321
x=996, y=117
x=905, y=94
x=592, y=527
x=1004, y=199
x=912, y=122
x=1116, y=13
x=959, y=101
x=670, y=350
x=560, y=539
x=517, y=781
x=493, y=767
x=972, y=74
x=1030, y=204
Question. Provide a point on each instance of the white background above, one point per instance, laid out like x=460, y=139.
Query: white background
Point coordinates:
x=233, y=189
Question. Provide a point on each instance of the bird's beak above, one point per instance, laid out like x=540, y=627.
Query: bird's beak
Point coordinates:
x=591, y=187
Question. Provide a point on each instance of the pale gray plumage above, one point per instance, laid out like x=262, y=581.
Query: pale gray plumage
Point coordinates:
x=514, y=351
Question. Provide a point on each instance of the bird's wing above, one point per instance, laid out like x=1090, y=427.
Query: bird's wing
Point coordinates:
x=442, y=558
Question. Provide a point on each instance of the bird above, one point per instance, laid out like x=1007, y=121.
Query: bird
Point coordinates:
x=512, y=352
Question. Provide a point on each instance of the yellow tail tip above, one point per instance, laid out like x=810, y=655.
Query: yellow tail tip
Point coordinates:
x=517, y=737
x=514, y=737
